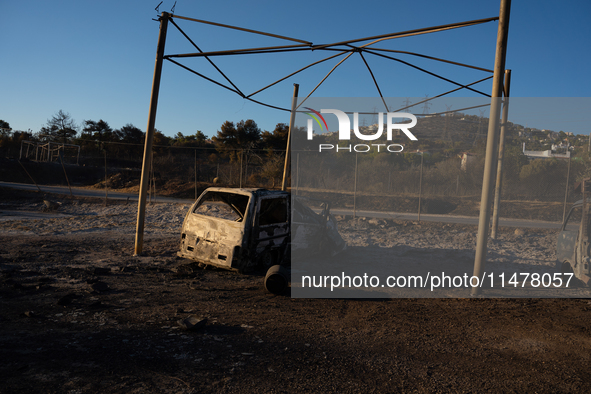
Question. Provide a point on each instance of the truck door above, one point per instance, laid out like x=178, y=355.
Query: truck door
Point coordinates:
x=272, y=231
x=566, y=248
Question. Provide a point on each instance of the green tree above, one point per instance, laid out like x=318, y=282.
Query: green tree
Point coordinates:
x=130, y=134
x=540, y=176
x=197, y=140
x=230, y=139
x=277, y=139
x=160, y=139
x=61, y=127
x=99, y=131
x=4, y=128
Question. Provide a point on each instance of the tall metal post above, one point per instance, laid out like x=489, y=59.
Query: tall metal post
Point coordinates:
x=147, y=162
x=421, y=185
x=286, y=166
x=566, y=191
x=61, y=157
x=106, y=184
x=497, y=201
x=355, y=190
x=491, y=144
x=297, y=173
x=241, y=168
x=195, y=168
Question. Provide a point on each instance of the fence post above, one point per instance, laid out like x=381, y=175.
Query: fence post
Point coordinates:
x=288, y=146
x=246, y=168
x=566, y=190
x=355, y=190
x=61, y=157
x=241, y=169
x=106, y=185
x=29, y=175
x=297, y=173
x=420, y=185
x=195, y=174
x=497, y=199
x=389, y=181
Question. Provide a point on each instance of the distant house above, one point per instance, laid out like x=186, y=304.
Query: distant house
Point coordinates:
x=467, y=158
x=545, y=154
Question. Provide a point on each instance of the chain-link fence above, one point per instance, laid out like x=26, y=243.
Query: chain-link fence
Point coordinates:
x=175, y=171
x=530, y=189
x=395, y=182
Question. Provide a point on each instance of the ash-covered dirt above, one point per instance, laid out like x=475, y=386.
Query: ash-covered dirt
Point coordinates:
x=80, y=314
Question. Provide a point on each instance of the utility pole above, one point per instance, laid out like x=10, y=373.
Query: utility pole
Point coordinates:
x=355, y=190
x=294, y=100
x=566, y=191
x=141, y=211
x=497, y=201
x=491, y=144
x=421, y=184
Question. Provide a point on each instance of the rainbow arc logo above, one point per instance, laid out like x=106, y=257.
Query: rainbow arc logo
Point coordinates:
x=315, y=115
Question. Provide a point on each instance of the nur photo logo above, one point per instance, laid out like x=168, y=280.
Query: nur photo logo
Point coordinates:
x=344, y=132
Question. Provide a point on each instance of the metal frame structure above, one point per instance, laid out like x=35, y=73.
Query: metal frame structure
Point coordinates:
x=343, y=48
x=347, y=49
x=46, y=151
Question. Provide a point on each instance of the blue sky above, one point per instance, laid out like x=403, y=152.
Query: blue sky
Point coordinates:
x=95, y=60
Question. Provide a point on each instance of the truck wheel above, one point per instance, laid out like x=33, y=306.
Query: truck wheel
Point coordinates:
x=566, y=268
x=276, y=280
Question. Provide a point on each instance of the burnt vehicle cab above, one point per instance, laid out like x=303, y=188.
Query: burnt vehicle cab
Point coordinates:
x=246, y=229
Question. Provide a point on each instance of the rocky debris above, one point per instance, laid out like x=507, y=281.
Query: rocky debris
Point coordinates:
x=30, y=314
x=192, y=323
x=51, y=206
x=377, y=222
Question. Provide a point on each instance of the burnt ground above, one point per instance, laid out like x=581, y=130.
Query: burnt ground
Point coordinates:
x=80, y=314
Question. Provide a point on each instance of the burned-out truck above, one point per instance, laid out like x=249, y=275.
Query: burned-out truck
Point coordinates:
x=250, y=229
x=573, y=248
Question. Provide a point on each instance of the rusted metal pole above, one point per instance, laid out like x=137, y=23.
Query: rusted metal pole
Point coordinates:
x=286, y=166
x=151, y=182
x=497, y=201
x=297, y=173
x=584, y=227
x=491, y=145
x=355, y=190
x=29, y=175
x=566, y=191
x=420, y=185
x=241, y=151
x=106, y=185
x=141, y=211
x=196, y=174
x=61, y=156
